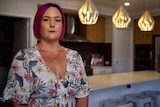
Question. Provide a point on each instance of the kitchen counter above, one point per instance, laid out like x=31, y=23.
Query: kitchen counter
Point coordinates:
x=116, y=79
x=117, y=85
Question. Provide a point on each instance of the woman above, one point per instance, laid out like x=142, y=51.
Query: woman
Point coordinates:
x=48, y=74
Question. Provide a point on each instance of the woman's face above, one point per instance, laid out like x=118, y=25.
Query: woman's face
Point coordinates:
x=51, y=24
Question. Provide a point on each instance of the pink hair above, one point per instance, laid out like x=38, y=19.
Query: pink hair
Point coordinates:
x=38, y=17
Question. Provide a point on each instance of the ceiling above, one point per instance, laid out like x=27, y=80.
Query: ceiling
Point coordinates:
x=136, y=8
x=108, y=7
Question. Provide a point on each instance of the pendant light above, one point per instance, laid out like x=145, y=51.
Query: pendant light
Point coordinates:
x=121, y=18
x=146, y=22
x=88, y=13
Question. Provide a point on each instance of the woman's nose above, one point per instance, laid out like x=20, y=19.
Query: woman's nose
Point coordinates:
x=52, y=23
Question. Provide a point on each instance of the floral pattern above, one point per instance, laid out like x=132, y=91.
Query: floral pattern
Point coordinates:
x=30, y=81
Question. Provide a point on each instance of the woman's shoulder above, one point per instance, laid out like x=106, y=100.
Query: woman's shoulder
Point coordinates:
x=27, y=51
x=71, y=51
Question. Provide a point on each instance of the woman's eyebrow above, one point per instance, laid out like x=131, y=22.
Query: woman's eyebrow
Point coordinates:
x=54, y=17
x=46, y=16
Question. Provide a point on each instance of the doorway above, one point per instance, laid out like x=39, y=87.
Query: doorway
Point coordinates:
x=156, y=52
x=14, y=35
x=122, y=50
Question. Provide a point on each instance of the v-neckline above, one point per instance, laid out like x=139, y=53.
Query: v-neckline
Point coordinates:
x=60, y=79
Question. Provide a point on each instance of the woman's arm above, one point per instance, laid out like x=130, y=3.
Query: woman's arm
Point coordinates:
x=14, y=104
x=82, y=102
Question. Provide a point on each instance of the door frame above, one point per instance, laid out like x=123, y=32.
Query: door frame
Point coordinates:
x=30, y=40
x=153, y=50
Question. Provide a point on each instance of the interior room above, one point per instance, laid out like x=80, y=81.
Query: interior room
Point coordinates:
x=119, y=59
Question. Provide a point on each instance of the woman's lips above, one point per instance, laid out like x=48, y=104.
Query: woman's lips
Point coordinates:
x=52, y=31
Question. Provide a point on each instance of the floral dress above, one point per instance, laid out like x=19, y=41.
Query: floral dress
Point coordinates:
x=30, y=81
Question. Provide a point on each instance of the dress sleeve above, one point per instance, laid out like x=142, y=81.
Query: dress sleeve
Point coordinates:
x=17, y=88
x=85, y=87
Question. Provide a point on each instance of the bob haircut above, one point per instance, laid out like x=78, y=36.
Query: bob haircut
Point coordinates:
x=38, y=17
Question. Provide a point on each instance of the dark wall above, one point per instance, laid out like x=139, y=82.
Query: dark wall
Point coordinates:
x=3, y=78
x=6, y=39
x=86, y=50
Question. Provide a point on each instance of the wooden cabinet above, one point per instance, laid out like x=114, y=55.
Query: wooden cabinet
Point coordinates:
x=142, y=49
x=94, y=33
x=143, y=43
x=141, y=37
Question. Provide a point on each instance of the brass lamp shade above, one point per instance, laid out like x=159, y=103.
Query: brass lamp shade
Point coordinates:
x=88, y=14
x=121, y=18
x=146, y=22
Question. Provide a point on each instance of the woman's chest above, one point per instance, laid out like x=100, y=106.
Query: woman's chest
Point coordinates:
x=48, y=85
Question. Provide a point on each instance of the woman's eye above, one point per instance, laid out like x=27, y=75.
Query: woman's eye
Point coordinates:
x=58, y=20
x=45, y=19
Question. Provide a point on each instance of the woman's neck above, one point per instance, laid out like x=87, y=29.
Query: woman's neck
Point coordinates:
x=52, y=47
